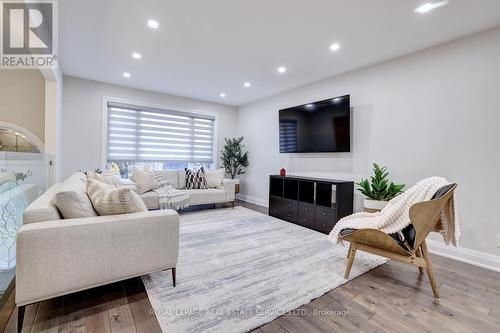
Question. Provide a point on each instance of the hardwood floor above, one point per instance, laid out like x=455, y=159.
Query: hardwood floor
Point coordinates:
x=391, y=298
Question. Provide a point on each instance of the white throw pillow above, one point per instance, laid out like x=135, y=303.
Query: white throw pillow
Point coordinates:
x=214, y=178
x=145, y=180
x=181, y=175
x=106, y=179
x=108, y=200
x=130, y=184
x=71, y=199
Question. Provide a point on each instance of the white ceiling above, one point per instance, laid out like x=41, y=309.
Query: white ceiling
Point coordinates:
x=205, y=47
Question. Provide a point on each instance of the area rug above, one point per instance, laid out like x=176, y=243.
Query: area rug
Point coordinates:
x=239, y=269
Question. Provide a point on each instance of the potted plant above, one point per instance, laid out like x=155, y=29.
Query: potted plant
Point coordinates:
x=379, y=191
x=234, y=158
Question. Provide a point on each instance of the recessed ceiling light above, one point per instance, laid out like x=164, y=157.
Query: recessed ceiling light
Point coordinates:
x=126, y=74
x=222, y=95
x=335, y=47
x=247, y=84
x=153, y=24
x=281, y=69
x=427, y=7
x=136, y=55
x=309, y=106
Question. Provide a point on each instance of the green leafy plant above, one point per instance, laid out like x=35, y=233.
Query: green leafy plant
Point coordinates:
x=234, y=158
x=379, y=188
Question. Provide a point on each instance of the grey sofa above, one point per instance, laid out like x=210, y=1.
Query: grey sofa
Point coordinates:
x=58, y=256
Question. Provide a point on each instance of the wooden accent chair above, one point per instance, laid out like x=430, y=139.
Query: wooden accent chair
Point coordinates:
x=425, y=217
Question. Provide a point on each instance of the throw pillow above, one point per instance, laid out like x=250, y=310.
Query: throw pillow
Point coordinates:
x=196, y=179
x=106, y=179
x=108, y=200
x=214, y=178
x=160, y=178
x=145, y=180
x=181, y=179
x=72, y=200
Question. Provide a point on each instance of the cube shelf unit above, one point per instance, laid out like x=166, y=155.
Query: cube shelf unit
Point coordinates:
x=310, y=202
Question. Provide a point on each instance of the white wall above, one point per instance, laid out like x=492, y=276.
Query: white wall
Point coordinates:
x=82, y=112
x=435, y=112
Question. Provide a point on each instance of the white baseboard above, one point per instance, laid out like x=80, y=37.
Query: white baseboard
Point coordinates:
x=254, y=200
x=473, y=257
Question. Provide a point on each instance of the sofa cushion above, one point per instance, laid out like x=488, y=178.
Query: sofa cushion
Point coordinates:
x=150, y=200
x=43, y=208
x=214, y=178
x=206, y=196
x=72, y=200
x=171, y=176
x=108, y=200
x=160, y=178
x=181, y=177
x=145, y=180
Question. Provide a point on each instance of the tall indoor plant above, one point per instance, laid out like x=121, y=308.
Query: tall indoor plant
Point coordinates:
x=234, y=158
x=379, y=191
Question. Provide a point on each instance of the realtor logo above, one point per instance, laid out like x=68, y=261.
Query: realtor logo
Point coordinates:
x=28, y=34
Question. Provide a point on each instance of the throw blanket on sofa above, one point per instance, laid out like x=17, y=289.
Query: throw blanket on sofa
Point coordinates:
x=172, y=198
x=395, y=216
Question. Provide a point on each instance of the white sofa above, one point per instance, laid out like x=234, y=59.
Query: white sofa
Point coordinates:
x=58, y=256
x=220, y=194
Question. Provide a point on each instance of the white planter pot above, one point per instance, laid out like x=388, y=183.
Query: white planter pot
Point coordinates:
x=375, y=204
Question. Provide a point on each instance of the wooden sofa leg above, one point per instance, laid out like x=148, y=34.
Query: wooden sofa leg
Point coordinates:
x=419, y=254
x=173, y=276
x=430, y=272
x=20, y=318
x=352, y=254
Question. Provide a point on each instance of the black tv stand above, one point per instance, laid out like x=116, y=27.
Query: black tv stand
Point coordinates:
x=309, y=201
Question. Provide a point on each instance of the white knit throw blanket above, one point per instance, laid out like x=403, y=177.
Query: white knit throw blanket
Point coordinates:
x=395, y=216
x=172, y=198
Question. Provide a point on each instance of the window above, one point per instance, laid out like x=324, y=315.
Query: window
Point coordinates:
x=288, y=136
x=138, y=136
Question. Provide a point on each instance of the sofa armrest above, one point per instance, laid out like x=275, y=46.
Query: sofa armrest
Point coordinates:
x=63, y=256
x=230, y=188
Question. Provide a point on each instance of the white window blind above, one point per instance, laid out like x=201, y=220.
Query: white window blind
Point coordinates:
x=137, y=133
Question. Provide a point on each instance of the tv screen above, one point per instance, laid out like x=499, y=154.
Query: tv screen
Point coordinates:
x=318, y=127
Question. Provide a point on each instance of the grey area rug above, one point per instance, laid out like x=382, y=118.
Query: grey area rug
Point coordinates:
x=239, y=269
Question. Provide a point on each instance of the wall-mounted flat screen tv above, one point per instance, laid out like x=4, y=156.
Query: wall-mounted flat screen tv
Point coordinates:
x=318, y=127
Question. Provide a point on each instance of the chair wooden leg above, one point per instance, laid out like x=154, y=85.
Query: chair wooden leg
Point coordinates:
x=20, y=318
x=419, y=254
x=350, y=248
x=352, y=253
x=173, y=276
x=430, y=272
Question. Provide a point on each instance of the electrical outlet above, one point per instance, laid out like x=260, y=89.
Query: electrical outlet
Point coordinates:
x=498, y=240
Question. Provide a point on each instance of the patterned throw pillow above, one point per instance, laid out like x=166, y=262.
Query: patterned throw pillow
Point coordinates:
x=160, y=178
x=108, y=200
x=196, y=179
